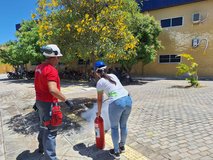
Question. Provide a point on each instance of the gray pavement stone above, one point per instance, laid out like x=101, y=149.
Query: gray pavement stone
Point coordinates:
x=184, y=154
x=2, y=150
x=204, y=153
x=211, y=150
x=168, y=121
x=206, y=158
x=196, y=156
x=203, y=148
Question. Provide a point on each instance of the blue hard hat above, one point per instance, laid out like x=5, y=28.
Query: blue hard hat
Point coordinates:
x=99, y=64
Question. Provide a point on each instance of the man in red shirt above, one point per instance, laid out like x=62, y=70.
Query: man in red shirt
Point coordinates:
x=47, y=88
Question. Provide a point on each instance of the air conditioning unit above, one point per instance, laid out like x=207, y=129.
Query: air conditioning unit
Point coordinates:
x=195, y=42
x=196, y=17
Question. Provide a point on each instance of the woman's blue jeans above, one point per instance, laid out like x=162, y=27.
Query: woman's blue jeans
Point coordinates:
x=119, y=112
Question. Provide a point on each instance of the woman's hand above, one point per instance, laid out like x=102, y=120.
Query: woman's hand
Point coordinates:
x=98, y=114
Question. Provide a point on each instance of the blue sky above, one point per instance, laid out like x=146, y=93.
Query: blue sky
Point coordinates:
x=11, y=13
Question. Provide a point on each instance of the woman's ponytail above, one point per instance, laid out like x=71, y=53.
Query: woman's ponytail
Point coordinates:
x=106, y=76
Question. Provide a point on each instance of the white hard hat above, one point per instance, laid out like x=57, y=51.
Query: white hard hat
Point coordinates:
x=51, y=50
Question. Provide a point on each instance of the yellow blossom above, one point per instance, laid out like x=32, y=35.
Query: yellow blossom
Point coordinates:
x=40, y=34
x=98, y=18
x=86, y=16
x=46, y=27
x=95, y=29
x=79, y=30
x=33, y=15
x=114, y=7
x=49, y=33
x=54, y=3
x=69, y=11
x=68, y=26
x=104, y=28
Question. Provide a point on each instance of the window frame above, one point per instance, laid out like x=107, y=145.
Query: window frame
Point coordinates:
x=164, y=20
x=169, y=62
x=171, y=21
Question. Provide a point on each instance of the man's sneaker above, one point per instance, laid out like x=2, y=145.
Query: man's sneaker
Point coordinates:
x=40, y=151
x=122, y=149
x=115, y=155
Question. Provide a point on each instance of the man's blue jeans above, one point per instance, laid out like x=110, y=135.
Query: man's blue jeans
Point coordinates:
x=46, y=136
x=47, y=142
x=119, y=112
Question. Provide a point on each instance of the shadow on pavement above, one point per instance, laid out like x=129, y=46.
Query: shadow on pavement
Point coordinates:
x=138, y=82
x=92, y=151
x=181, y=86
x=28, y=124
x=6, y=80
x=26, y=155
x=64, y=83
x=3, y=79
x=80, y=105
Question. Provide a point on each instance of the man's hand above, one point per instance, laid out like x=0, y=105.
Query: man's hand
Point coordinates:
x=69, y=103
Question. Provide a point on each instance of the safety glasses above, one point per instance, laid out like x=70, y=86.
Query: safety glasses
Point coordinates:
x=48, y=50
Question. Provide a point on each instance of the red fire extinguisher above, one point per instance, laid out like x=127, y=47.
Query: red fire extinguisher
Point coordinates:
x=99, y=132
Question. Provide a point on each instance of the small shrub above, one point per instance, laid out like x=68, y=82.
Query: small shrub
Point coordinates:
x=190, y=69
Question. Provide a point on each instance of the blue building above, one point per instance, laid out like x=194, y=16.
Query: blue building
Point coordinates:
x=148, y=5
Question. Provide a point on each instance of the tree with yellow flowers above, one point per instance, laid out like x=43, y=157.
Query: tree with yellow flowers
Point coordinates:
x=88, y=29
x=111, y=30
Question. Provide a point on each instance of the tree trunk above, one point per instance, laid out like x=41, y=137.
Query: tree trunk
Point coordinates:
x=143, y=68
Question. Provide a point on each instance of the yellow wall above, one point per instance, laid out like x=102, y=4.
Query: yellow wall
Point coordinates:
x=4, y=68
x=177, y=40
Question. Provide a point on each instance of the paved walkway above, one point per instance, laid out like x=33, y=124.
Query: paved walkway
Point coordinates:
x=168, y=122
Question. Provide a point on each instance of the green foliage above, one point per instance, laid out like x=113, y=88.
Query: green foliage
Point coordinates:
x=25, y=49
x=88, y=29
x=147, y=30
x=190, y=69
x=27, y=44
x=112, y=30
x=0, y=59
x=9, y=55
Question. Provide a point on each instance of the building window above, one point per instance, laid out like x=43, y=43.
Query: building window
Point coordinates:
x=177, y=21
x=173, y=58
x=165, y=23
x=172, y=22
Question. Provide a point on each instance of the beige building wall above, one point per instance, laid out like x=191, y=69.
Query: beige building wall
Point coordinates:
x=177, y=40
x=4, y=68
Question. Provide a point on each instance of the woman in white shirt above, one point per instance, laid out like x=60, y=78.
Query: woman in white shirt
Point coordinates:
x=120, y=105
